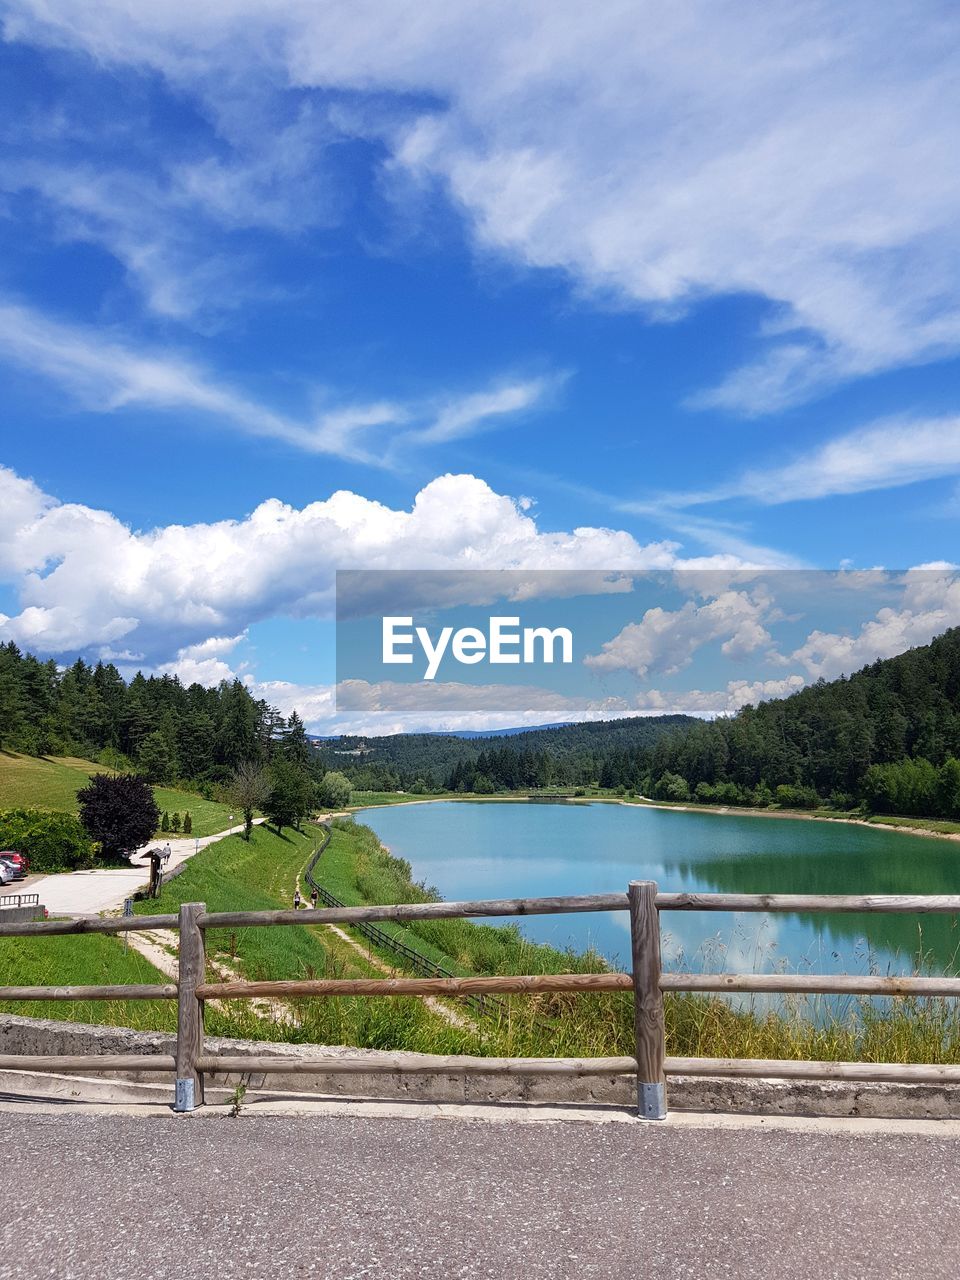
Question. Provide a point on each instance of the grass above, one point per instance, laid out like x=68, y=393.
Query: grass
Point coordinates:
x=374, y=799
x=32, y=782
x=356, y=868
x=87, y=960
x=262, y=875
x=52, y=782
x=208, y=816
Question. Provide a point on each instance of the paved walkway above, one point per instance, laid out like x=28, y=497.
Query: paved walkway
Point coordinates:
x=86, y=893
x=185, y=1198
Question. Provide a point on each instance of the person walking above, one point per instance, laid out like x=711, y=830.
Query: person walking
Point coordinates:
x=156, y=873
x=296, y=900
x=314, y=897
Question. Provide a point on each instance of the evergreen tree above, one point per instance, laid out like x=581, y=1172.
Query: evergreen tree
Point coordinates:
x=155, y=761
x=296, y=744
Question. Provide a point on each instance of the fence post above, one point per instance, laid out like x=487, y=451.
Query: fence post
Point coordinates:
x=647, y=999
x=189, y=1084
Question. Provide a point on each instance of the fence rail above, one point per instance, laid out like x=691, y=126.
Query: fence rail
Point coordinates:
x=650, y=1063
x=416, y=960
x=8, y=900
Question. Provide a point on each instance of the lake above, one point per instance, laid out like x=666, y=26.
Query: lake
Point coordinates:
x=512, y=850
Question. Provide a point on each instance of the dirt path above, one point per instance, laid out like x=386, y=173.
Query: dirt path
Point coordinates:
x=156, y=947
x=454, y=1017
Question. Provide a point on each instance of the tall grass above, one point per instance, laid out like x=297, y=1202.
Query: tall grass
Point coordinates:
x=356, y=868
x=235, y=875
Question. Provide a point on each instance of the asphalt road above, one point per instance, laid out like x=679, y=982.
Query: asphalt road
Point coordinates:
x=89, y=892
x=158, y=1198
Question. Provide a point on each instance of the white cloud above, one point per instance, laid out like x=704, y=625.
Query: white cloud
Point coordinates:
x=85, y=579
x=930, y=604
x=884, y=454
x=377, y=709
x=201, y=663
x=102, y=372
x=665, y=641
x=710, y=703
x=802, y=153
x=464, y=416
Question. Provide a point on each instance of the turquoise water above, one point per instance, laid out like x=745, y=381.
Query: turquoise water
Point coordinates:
x=512, y=850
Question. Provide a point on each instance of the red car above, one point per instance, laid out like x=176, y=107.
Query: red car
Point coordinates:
x=16, y=861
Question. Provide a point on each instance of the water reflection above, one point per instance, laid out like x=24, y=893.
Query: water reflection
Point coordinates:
x=514, y=850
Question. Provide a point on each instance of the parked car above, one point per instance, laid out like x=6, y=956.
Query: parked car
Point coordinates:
x=6, y=872
x=17, y=863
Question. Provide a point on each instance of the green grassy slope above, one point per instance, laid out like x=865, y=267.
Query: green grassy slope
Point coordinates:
x=233, y=875
x=83, y=961
x=30, y=782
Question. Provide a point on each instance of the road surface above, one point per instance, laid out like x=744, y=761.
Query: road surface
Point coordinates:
x=86, y=893
x=168, y=1198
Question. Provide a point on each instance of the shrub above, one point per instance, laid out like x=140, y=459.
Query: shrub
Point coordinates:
x=52, y=841
x=334, y=791
x=119, y=812
x=175, y=822
x=187, y=824
x=672, y=787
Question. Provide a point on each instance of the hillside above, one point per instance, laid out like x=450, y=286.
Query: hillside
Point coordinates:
x=32, y=782
x=400, y=758
x=886, y=737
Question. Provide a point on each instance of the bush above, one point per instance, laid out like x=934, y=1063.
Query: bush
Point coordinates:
x=52, y=841
x=796, y=797
x=119, y=812
x=187, y=824
x=672, y=787
x=175, y=822
x=334, y=791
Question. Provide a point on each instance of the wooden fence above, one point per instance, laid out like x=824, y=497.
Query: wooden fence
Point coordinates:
x=650, y=1064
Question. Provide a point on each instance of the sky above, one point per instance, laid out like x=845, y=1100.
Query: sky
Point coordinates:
x=299, y=287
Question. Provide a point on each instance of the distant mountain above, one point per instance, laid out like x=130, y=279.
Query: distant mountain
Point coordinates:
x=462, y=733
x=433, y=755
x=887, y=736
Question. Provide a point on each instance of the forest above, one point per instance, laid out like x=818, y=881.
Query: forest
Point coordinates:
x=153, y=723
x=886, y=738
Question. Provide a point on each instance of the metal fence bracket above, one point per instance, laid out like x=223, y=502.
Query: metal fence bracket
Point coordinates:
x=651, y=1102
x=183, y=1099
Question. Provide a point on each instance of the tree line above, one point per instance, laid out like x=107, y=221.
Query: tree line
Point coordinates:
x=886, y=738
x=219, y=742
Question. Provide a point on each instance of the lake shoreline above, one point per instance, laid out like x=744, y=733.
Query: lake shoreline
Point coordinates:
x=720, y=810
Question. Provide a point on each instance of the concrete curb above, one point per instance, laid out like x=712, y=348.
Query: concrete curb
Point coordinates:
x=686, y=1093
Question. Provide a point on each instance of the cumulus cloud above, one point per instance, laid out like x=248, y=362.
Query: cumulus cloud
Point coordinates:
x=930, y=604
x=799, y=153
x=85, y=579
x=664, y=641
x=202, y=663
x=709, y=703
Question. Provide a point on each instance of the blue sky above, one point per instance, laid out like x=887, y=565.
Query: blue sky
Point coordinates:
x=657, y=289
